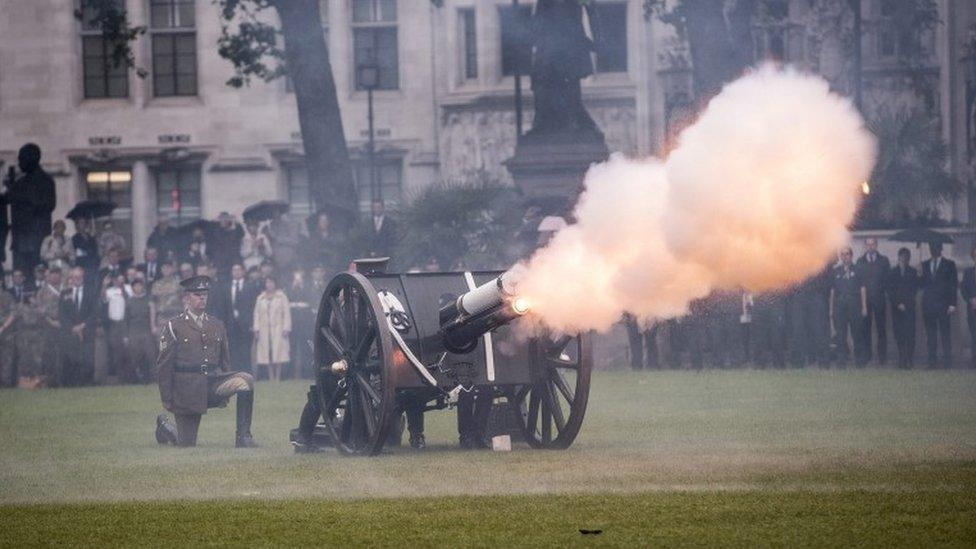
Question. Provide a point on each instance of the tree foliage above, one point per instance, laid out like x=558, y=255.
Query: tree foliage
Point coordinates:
x=113, y=20
x=460, y=223
x=910, y=180
x=249, y=41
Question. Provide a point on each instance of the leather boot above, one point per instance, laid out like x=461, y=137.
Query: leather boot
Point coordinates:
x=165, y=431
x=245, y=407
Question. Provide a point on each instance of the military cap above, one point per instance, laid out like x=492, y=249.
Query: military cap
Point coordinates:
x=194, y=284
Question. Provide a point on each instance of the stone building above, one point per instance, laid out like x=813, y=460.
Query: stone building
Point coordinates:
x=182, y=142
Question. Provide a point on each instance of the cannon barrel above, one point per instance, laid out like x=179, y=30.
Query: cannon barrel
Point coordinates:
x=479, y=311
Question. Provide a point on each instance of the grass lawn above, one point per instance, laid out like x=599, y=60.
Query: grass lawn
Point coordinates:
x=720, y=457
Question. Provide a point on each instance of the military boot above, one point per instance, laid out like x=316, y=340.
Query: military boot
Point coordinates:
x=245, y=406
x=165, y=431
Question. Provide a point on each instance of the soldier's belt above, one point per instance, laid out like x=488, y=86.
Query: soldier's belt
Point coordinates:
x=200, y=369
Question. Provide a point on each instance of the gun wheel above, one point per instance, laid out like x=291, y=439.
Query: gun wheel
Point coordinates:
x=353, y=366
x=551, y=408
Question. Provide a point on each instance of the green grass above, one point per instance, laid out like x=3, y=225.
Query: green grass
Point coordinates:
x=729, y=457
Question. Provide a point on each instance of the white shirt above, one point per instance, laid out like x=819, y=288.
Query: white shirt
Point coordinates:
x=378, y=222
x=116, y=304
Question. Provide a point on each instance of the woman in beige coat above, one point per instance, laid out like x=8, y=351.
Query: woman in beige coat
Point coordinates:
x=272, y=327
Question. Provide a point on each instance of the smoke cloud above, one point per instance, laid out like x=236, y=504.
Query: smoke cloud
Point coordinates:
x=757, y=194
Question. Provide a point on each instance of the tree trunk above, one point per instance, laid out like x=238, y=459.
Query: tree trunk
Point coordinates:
x=326, y=156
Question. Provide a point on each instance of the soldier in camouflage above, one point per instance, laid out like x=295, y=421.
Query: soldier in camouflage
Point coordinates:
x=193, y=370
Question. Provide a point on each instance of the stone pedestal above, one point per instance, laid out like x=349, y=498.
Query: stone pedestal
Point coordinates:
x=549, y=168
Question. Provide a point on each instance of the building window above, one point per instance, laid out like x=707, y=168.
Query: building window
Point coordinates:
x=516, y=47
x=388, y=177
x=102, y=77
x=172, y=25
x=178, y=193
x=469, y=38
x=115, y=186
x=299, y=192
x=375, y=40
x=612, y=54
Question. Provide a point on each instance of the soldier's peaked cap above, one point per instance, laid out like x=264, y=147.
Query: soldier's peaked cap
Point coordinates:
x=196, y=284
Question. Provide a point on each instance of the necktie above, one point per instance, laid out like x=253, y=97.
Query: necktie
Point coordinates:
x=78, y=298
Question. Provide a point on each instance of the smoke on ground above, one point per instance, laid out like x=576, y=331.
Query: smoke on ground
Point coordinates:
x=758, y=194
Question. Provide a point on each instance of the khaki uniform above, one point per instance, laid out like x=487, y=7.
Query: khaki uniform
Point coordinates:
x=48, y=302
x=8, y=342
x=166, y=296
x=193, y=370
x=30, y=344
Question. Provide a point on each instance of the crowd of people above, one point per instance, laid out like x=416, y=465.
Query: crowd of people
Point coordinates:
x=837, y=318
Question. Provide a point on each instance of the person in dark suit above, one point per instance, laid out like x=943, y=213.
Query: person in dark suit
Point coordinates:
x=902, y=287
x=381, y=231
x=151, y=268
x=78, y=310
x=225, y=244
x=810, y=338
x=239, y=296
x=32, y=199
x=874, y=269
x=968, y=291
x=86, y=248
x=939, y=283
x=19, y=288
x=113, y=266
x=848, y=307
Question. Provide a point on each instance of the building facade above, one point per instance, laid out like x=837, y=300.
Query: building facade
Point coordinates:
x=181, y=142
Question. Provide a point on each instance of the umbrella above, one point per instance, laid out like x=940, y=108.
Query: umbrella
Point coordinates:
x=919, y=235
x=91, y=209
x=265, y=209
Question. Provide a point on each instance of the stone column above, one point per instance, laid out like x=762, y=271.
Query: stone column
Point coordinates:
x=143, y=208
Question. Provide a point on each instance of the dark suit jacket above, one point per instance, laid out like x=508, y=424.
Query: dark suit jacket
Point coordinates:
x=381, y=243
x=156, y=273
x=241, y=322
x=71, y=315
x=874, y=273
x=902, y=288
x=968, y=288
x=939, y=289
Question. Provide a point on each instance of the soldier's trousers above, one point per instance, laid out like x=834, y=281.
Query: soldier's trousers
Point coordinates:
x=848, y=318
x=142, y=356
x=903, y=324
x=8, y=360
x=971, y=321
x=118, y=357
x=642, y=343
x=811, y=331
x=30, y=352
x=217, y=395
x=473, y=409
x=876, y=319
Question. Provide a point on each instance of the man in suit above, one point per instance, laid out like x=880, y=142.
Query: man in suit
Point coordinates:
x=848, y=307
x=113, y=266
x=968, y=291
x=151, y=268
x=78, y=318
x=874, y=269
x=193, y=369
x=18, y=286
x=939, y=282
x=239, y=296
x=381, y=231
x=902, y=286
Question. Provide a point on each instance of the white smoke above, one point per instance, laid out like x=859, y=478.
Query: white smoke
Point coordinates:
x=758, y=194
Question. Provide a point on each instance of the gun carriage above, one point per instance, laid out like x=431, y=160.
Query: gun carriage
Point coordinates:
x=382, y=339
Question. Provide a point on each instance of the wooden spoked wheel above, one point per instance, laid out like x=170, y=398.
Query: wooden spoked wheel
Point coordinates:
x=551, y=408
x=353, y=358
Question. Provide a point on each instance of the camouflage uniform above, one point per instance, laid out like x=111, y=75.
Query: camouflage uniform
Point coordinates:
x=29, y=340
x=48, y=302
x=166, y=298
x=8, y=342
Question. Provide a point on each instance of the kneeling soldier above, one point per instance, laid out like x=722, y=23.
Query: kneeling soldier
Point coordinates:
x=193, y=369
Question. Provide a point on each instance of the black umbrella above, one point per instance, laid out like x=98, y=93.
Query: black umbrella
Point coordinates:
x=265, y=209
x=91, y=209
x=919, y=235
x=187, y=229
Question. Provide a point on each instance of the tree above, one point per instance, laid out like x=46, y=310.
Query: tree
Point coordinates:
x=910, y=180
x=468, y=222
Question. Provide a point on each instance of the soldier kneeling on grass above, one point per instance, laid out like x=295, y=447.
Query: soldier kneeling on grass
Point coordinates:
x=193, y=369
